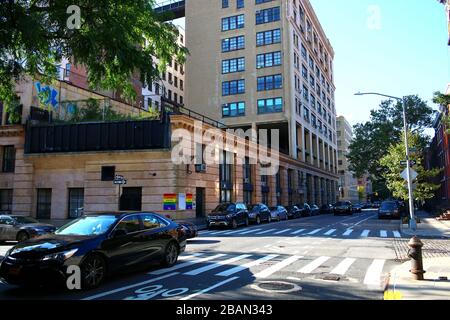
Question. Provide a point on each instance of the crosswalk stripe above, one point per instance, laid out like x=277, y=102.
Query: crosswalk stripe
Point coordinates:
x=342, y=267
x=249, y=265
x=365, y=233
x=283, y=231
x=330, y=232
x=373, y=274
x=348, y=232
x=232, y=232
x=383, y=233
x=313, y=265
x=314, y=232
x=280, y=265
x=397, y=234
x=298, y=231
x=267, y=231
x=218, y=232
x=216, y=265
x=186, y=264
x=250, y=231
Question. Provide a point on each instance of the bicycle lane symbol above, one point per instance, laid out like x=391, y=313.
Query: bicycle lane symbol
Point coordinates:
x=149, y=292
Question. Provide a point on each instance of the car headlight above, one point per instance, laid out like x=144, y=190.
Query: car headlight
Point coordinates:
x=62, y=256
x=251, y=214
x=8, y=252
x=229, y=216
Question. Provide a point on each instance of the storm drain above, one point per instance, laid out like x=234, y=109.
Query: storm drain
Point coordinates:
x=276, y=287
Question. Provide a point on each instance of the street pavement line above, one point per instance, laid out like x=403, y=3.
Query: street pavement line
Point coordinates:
x=107, y=293
x=186, y=264
x=330, y=232
x=283, y=231
x=373, y=274
x=397, y=234
x=250, y=231
x=209, y=289
x=348, y=232
x=314, y=232
x=216, y=265
x=383, y=233
x=365, y=233
x=313, y=265
x=249, y=265
x=267, y=231
x=217, y=232
x=232, y=232
x=298, y=231
x=343, y=267
x=271, y=270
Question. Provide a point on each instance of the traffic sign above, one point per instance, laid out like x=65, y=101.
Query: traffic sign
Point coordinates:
x=412, y=163
x=413, y=174
x=119, y=180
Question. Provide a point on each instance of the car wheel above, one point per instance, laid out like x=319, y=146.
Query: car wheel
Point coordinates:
x=22, y=236
x=269, y=219
x=234, y=224
x=258, y=220
x=170, y=255
x=93, y=271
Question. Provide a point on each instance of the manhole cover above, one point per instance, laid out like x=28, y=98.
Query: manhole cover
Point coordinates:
x=277, y=287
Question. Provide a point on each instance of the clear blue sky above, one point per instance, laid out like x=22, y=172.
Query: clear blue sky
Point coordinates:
x=403, y=53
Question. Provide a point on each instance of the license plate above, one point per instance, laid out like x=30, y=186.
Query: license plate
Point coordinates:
x=14, y=271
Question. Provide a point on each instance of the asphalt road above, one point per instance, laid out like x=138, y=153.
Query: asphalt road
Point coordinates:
x=321, y=257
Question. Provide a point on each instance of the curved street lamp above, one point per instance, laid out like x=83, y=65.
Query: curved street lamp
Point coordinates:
x=412, y=221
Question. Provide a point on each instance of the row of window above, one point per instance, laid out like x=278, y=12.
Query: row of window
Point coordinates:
x=265, y=83
x=262, y=39
x=262, y=16
x=237, y=109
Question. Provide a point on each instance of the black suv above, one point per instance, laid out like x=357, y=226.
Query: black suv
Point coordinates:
x=228, y=215
x=343, y=207
x=293, y=212
x=258, y=213
x=305, y=210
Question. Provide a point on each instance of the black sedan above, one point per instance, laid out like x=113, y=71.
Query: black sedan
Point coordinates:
x=305, y=210
x=19, y=228
x=390, y=209
x=343, y=207
x=293, y=212
x=190, y=229
x=258, y=213
x=99, y=244
x=326, y=209
x=315, y=210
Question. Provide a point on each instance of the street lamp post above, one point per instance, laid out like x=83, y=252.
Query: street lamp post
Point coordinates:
x=412, y=221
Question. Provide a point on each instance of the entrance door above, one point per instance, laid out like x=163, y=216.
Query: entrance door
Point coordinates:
x=131, y=199
x=200, y=201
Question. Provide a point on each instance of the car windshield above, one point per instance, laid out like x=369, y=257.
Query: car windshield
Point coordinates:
x=273, y=208
x=341, y=204
x=224, y=207
x=388, y=206
x=88, y=226
x=254, y=208
x=25, y=220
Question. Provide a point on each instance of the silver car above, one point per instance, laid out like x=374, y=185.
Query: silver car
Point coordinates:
x=19, y=228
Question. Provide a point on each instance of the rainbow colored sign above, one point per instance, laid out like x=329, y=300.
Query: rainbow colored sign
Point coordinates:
x=169, y=202
x=189, y=198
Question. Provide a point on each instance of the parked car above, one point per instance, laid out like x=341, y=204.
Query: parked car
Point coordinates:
x=390, y=209
x=326, y=209
x=100, y=244
x=279, y=213
x=305, y=210
x=343, y=207
x=19, y=228
x=293, y=212
x=228, y=215
x=258, y=213
x=190, y=229
x=315, y=210
x=367, y=205
x=357, y=207
x=376, y=204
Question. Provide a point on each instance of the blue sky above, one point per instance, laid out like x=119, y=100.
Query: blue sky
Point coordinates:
x=403, y=52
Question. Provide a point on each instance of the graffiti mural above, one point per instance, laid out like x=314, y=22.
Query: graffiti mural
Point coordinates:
x=47, y=96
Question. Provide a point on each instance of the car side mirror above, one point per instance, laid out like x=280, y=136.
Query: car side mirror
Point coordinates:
x=119, y=233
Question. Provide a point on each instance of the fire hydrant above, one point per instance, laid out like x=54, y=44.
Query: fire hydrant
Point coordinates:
x=415, y=253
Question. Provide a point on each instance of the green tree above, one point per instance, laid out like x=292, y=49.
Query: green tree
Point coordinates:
x=444, y=101
x=391, y=162
x=115, y=40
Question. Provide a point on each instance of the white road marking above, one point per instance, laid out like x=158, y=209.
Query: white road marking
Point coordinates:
x=397, y=234
x=218, y=232
x=373, y=274
x=186, y=264
x=250, y=231
x=267, y=231
x=107, y=293
x=383, y=233
x=280, y=265
x=249, y=265
x=313, y=265
x=283, y=231
x=209, y=289
x=365, y=233
x=216, y=265
x=330, y=232
x=232, y=232
x=314, y=232
x=348, y=232
x=298, y=231
x=343, y=267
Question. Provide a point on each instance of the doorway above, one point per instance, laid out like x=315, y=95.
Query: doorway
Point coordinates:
x=200, y=202
x=131, y=199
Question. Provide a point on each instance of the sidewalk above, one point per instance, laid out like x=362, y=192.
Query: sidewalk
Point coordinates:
x=429, y=227
x=401, y=286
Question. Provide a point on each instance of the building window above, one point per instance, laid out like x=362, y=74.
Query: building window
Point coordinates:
x=268, y=60
x=268, y=15
x=76, y=202
x=270, y=105
x=235, y=109
x=175, y=97
x=233, y=87
x=262, y=1
x=270, y=82
x=225, y=4
x=6, y=197
x=304, y=54
x=181, y=85
x=233, y=23
x=175, y=82
x=268, y=37
x=306, y=114
x=239, y=4
x=108, y=173
x=233, y=65
x=233, y=44
x=181, y=100
x=8, y=159
x=226, y=179
x=44, y=203
x=68, y=68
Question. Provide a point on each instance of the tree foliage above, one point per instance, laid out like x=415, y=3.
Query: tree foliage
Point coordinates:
x=444, y=101
x=391, y=163
x=116, y=40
